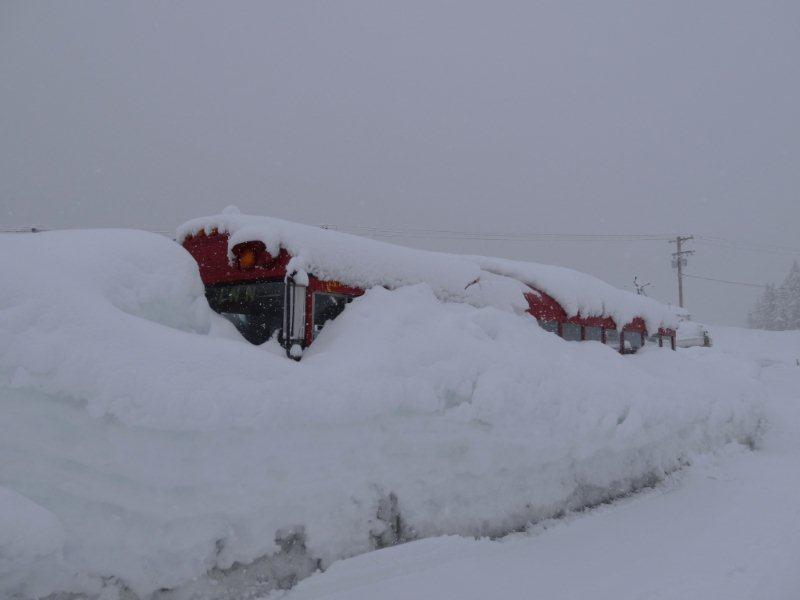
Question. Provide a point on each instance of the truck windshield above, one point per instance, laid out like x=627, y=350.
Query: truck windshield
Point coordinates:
x=255, y=308
x=327, y=307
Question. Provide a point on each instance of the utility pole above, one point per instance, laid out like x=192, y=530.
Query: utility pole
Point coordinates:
x=679, y=261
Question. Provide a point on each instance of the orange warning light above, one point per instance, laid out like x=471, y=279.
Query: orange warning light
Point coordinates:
x=247, y=259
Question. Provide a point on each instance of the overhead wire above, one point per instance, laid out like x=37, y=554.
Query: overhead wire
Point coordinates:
x=43, y=229
x=759, y=247
x=452, y=234
x=423, y=233
x=22, y=229
x=758, y=285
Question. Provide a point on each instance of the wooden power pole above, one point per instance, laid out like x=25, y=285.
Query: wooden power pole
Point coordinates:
x=679, y=261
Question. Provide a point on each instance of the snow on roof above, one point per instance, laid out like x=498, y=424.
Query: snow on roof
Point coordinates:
x=366, y=263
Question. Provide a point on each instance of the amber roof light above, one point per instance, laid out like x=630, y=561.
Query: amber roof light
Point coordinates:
x=247, y=259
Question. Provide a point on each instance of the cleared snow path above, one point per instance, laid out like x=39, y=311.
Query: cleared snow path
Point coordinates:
x=727, y=527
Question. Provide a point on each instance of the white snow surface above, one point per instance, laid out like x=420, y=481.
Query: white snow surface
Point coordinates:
x=727, y=527
x=366, y=263
x=29, y=533
x=144, y=444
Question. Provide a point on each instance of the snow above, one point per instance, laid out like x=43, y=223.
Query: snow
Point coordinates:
x=726, y=527
x=346, y=258
x=366, y=263
x=28, y=534
x=145, y=446
x=691, y=333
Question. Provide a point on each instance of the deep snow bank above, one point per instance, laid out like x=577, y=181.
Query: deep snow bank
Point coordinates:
x=726, y=527
x=149, y=445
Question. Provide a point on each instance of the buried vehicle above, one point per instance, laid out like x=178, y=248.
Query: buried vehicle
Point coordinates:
x=433, y=405
x=691, y=333
x=276, y=279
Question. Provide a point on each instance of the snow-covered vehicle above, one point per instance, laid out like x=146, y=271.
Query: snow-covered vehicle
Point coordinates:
x=434, y=407
x=275, y=278
x=691, y=333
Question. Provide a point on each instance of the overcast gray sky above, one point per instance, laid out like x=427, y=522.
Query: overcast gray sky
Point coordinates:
x=512, y=117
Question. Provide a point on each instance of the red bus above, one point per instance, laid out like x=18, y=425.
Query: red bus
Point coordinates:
x=256, y=292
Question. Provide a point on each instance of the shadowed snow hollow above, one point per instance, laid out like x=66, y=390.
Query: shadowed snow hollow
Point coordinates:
x=149, y=445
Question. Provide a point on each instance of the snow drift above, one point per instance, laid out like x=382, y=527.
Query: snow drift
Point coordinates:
x=146, y=447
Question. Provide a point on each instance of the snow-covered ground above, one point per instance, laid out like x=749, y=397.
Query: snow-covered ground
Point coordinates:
x=147, y=451
x=727, y=527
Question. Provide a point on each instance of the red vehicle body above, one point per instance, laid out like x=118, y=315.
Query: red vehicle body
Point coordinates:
x=553, y=317
x=255, y=292
x=252, y=264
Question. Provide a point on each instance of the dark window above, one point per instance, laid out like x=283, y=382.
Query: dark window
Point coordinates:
x=255, y=308
x=551, y=326
x=327, y=307
x=632, y=341
x=571, y=332
x=593, y=334
x=663, y=341
x=612, y=338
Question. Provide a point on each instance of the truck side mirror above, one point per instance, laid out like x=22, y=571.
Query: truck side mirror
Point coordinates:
x=294, y=318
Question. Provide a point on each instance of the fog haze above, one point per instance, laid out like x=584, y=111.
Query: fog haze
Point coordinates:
x=496, y=117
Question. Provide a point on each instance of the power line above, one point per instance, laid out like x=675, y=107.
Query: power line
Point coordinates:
x=421, y=233
x=747, y=243
x=748, y=246
x=454, y=234
x=43, y=229
x=758, y=285
x=750, y=249
x=22, y=229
